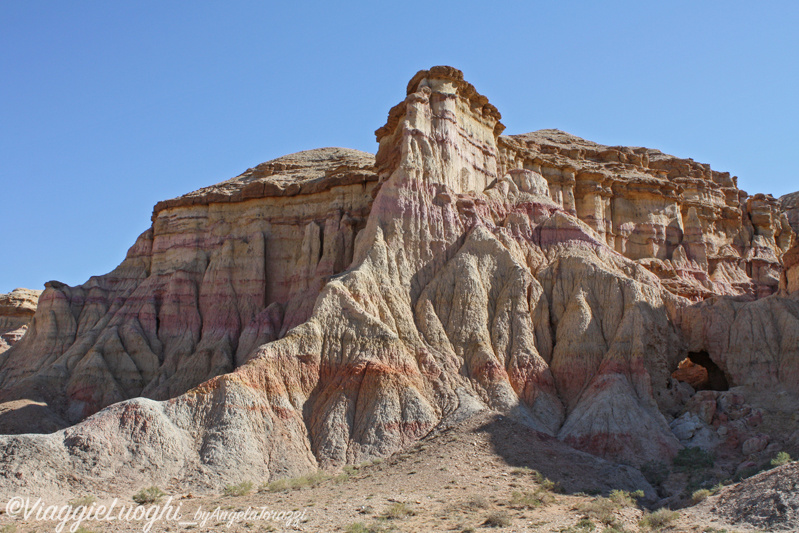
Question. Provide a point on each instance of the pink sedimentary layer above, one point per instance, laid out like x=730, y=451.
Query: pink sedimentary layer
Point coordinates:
x=199, y=291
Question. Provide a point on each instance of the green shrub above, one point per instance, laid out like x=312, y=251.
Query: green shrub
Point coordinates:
x=148, y=495
x=700, y=495
x=780, y=459
x=626, y=499
x=658, y=520
x=693, y=458
x=240, y=489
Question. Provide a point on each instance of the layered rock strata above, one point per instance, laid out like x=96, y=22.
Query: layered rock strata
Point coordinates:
x=790, y=204
x=688, y=224
x=16, y=312
x=220, y=272
x=465, y=271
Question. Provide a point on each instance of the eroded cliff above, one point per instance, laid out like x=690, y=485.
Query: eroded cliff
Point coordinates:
x=348, y=306
x=16, y=312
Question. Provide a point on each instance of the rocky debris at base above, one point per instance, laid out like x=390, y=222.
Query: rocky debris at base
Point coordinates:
x=767, y=501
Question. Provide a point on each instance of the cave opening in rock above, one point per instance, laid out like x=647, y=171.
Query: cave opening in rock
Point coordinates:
x=700, y=372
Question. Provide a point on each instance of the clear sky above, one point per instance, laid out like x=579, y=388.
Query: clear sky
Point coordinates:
x=107, y=107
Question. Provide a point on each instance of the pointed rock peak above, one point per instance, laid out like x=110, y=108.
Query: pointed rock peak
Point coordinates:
x=444, y=80
x=443, y=133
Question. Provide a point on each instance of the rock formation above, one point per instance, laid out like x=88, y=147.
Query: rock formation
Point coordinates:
x=790, y=204
x=688, y=224
x=16, y=311
x=220, y=272
x=328, y=308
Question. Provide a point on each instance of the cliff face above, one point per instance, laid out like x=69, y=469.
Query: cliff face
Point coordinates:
x=349, y=306
x=220, y=272
x=16, y=311
x=688, y=224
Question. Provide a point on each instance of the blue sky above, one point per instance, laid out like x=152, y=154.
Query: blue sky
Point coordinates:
x=108, y=107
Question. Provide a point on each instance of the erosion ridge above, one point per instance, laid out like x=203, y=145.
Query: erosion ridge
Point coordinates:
x=328, y=308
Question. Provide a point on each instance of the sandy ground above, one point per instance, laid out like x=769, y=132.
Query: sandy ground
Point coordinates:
x=477, y=476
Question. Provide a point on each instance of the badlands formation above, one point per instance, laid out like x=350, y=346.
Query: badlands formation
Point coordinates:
x=331, y=307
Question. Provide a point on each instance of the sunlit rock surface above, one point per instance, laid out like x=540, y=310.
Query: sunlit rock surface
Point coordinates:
x=331, y=307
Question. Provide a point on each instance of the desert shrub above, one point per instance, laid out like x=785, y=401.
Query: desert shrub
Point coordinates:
x=780, y=459
x=626, y=499
x=497, y=519
x=398, y=511
x=693, y=458
x=600, y=509
x=658, y=520
x=310, y=480
x=655, y=472
x=531, y=499
x=584, y=525
x=546, y=483
x=700, y=495
x=279, y=485
x=538, y=477
x=240, y=489
x=83, y=501
x=360, y=527
x=477, y=502
x=148, y=495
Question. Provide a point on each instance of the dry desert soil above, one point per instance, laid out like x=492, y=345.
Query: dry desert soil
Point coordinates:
x=486, y=473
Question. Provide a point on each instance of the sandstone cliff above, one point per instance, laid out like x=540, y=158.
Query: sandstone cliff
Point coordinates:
x=790, y=204
x=688, y=224
x=220, y=272
x=348, y=306
x=16, y=312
